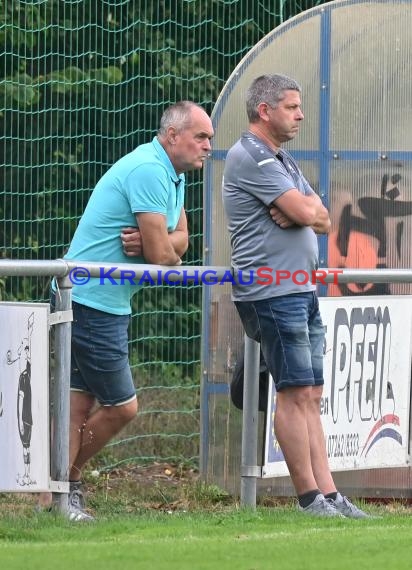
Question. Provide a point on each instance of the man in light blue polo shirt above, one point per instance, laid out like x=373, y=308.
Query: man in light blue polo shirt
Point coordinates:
x=136, y=210
x=143, y=181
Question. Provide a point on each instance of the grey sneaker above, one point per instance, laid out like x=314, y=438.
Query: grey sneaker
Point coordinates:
x=321, y=507
x=348, y=509
x=77, y=515
x=76, y=507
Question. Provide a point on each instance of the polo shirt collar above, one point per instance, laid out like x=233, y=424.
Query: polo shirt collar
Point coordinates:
x=166, y=160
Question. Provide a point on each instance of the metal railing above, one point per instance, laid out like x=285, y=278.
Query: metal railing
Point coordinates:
x=62, y=270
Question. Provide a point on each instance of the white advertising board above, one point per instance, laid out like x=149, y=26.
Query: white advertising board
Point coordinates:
x=24, y=397
x=366, y=397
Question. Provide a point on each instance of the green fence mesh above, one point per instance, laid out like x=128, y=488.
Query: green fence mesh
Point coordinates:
x=84, y=82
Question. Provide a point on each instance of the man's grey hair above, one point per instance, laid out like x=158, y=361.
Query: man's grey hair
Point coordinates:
x=178, y=116
x=268, y=89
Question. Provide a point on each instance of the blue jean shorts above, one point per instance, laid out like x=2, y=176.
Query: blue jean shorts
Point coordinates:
x=291, y=334
x=99, y=355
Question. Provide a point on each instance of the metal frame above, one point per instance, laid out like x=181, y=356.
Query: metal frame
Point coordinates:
x=62, y=269
x=61, y=319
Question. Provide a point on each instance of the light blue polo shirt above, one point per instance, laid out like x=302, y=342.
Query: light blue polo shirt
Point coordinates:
x=142, y=181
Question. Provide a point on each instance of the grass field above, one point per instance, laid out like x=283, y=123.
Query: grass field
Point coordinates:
x=234, y=540
x=196, y=527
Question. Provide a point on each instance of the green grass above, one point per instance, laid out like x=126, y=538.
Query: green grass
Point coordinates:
x=163, y=517
x=227, y=539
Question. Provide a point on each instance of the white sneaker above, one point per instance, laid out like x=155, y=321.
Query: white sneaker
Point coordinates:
x=321, y=507
x=348, y=509
x=76, y=507
x=77, y=515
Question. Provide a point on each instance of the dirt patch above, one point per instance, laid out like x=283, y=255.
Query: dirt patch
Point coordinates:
x=141, y=479
x=147, y=475
x=153, y=486
x=160, y=486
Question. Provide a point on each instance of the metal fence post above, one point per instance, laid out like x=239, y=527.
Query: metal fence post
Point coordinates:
x=249, y=468
x=61, y=395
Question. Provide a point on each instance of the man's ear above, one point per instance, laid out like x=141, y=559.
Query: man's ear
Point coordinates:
x=263, y=111
x=171, y=135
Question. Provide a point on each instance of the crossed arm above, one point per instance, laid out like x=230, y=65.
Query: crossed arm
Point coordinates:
x=293, y=208
x=152, y=240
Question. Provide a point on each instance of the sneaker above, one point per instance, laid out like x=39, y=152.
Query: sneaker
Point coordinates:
x=77, y=515
x=76, y=496
x=348, y=509
x=321, y=507
x=76, y=506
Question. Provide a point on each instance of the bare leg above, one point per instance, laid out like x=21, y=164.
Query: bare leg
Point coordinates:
x=90, y=431
x=319, y=457
x=45, y=500
x=292, y=433
x=81, y=405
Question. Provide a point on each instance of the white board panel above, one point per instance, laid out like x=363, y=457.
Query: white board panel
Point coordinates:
x=24, y=397
x=367, y=370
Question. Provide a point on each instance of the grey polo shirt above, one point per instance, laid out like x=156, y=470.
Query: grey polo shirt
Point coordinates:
x=254, y=177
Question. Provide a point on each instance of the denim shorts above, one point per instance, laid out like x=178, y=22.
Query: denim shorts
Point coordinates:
x=291, y=334
x=99, y=355
x=100, y=360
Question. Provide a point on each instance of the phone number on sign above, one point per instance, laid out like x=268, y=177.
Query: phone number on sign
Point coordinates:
x=342, y=445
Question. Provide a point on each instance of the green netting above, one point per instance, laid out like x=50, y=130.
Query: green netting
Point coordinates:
x=84, y=82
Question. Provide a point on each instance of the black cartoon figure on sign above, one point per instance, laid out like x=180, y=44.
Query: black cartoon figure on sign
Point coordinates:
x=370, y=233
x=24, y=400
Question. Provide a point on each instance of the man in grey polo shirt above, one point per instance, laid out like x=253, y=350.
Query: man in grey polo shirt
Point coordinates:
x=273, y=217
